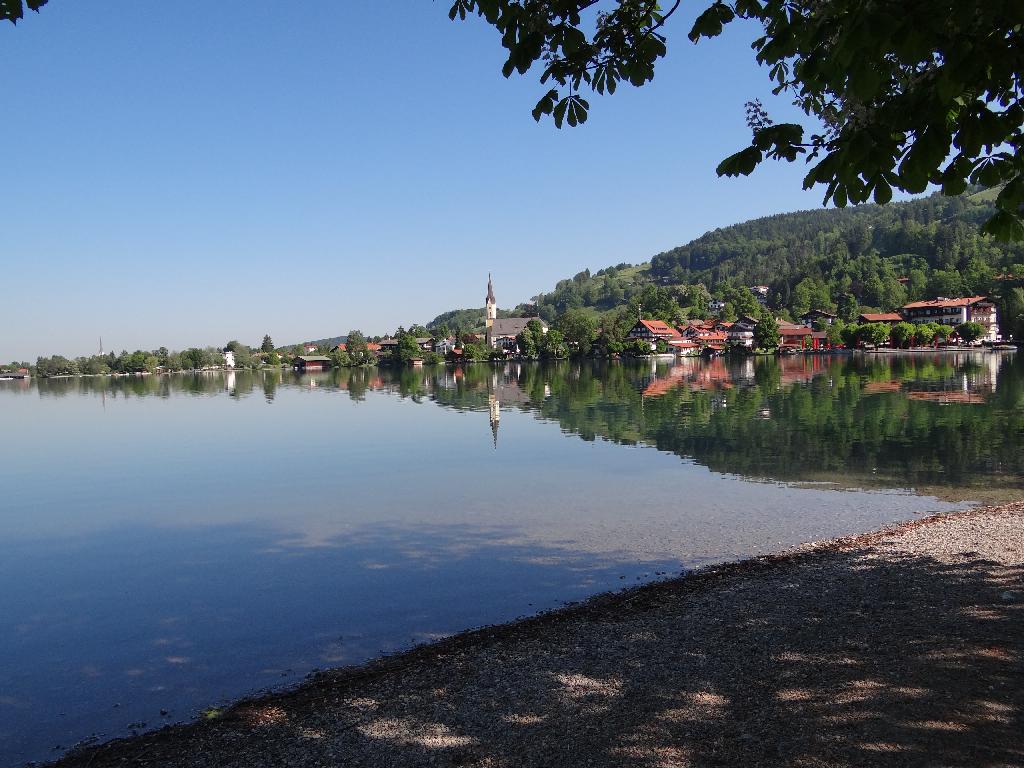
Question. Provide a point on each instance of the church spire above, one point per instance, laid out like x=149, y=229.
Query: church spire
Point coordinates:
x=491, y=308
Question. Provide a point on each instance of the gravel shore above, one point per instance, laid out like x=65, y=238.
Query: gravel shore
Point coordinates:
x=900, y=648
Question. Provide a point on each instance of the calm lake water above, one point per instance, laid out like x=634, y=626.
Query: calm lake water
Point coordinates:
x=170, y=543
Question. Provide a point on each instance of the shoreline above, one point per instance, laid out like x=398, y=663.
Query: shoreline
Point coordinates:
x=347, y=711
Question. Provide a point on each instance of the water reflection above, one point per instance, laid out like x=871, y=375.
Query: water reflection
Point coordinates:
x=167, y=542
x=952, y=421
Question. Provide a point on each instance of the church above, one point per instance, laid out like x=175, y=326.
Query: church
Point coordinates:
x=502, y=332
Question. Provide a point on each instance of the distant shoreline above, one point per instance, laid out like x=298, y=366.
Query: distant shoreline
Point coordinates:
x=813, y=353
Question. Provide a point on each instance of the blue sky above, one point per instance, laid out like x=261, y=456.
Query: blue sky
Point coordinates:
x=183, y=174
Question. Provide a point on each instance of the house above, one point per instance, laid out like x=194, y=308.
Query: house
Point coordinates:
x=653, y=331
x=741, y=333
x=370, y=347
x=503, y=331
x=704, y=334
x=684, y=347
x=760, y=293
x=879, y=317
x=229, y=358
x=387, y=347
x=970, y=309
x=795, y=336
x=425, y=344
x=305, y=363
x=309, y=348
x=817, y=316
x=716, y=305
x=444, y=346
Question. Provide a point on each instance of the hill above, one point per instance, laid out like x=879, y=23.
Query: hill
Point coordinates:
x=857, y=258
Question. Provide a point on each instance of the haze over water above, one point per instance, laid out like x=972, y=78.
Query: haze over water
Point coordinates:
x=170, y=543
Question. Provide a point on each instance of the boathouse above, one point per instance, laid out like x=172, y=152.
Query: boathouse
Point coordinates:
x=304, y=363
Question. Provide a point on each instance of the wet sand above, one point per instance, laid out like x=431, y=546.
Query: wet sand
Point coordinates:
x=903, y=647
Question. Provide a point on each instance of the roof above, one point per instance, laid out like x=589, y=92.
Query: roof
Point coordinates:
x=799, y=330
x=880, y=317
x=370, y=347
x=817, y=313
x=513, y=326
x=313, y=358
x=658, y=327
x=490, y=291
x=945, y=303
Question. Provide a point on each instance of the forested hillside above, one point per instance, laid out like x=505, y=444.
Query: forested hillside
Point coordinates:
x=855, y=259
x=934, y=244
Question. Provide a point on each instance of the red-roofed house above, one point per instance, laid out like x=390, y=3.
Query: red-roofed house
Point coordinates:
x=652, y=331
x=795, y=336
x=880, y=317
x=970, y=309
x=370, y=347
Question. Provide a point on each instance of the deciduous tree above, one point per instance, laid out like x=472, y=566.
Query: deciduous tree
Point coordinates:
x=970, y=332
x=766, y=332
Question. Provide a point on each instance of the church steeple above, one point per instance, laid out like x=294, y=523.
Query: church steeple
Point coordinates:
x=491, y=303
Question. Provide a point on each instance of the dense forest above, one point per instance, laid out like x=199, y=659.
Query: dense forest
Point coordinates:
x=849, y=260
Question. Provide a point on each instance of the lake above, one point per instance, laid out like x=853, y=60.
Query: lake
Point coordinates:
x=169, y=543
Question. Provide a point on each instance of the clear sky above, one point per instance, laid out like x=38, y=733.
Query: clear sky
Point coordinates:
x=183, y=174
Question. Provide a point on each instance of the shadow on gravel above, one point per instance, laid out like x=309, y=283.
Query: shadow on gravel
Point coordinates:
x=834, y=659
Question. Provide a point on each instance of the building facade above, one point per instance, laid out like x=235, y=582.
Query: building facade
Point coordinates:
x=502, y=332
x=970, y=309
x=653, y=331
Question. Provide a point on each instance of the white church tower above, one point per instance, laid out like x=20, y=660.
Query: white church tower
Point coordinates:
x=491, y=304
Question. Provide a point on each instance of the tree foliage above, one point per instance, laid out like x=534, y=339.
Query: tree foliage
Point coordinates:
x=578, y=328
x=766, y=332
x=13, y=10
x=902, y=334
x=358, y=352
x=970, y=332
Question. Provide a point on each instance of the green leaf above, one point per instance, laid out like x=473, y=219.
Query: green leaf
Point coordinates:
x=560, y=111
x=1005, y=225
x=741, y=163
x=953, y=185
x=545, y=105
x=11, y=10
x=709, y=23
x=883, y=192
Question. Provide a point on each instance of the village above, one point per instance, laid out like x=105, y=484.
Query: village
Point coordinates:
x=940, y=323
x=951, y=323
